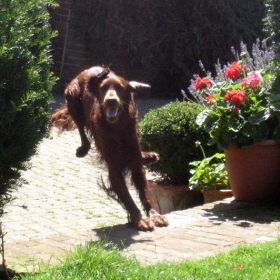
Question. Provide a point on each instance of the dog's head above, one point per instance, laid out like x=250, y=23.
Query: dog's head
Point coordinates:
x=115, y=95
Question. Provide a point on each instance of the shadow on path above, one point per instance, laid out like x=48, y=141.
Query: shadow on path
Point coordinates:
x=243, y=214
x=123, y=236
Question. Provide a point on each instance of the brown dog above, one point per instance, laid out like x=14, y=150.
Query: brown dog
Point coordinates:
x=102, y=103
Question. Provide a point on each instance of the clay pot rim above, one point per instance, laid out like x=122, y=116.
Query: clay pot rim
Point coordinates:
x=217, y=191
x=267, y=143
x=155, y=184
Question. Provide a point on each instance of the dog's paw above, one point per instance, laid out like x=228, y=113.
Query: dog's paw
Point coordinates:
x=82, y=151
x=159, y=220
x=149, y=157
x=144, y=225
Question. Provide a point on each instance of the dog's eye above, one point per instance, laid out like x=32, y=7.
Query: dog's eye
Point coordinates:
x=118, y=87
x=104, y=88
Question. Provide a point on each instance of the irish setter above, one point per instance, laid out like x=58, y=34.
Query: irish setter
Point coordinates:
x=101, y=105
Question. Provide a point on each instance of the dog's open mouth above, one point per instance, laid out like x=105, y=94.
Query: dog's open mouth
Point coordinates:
x=112, y=113
x=111, y=106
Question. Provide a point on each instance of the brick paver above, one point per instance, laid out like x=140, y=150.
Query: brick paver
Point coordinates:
x=63, y=207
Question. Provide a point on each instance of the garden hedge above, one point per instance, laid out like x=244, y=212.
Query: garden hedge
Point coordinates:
x=26, y=82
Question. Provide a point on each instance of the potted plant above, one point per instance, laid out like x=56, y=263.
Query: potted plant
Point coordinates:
x=171, y=131
x=209, y=175
x=242, y=117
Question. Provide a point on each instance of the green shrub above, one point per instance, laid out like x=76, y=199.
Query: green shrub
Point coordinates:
x=26, y=81
x=172, y=132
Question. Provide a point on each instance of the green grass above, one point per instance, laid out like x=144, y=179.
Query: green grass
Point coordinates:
x=104, y=261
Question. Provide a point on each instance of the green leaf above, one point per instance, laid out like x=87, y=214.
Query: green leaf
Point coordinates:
x=259, y=117
x=210, y=122
x=275, y=106
x=276, y=134
x=224, y=138
x=274, y=96
x=219, y=156
x=234, y=126
x=202, y=116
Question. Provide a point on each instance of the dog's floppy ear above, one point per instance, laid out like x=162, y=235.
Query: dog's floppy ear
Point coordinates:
x=95, y=80
x=104, y=74
x=141, y=88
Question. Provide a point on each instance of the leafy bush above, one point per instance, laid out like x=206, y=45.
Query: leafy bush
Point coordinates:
x=209, y=173
x=171, y=131
x=25, y=85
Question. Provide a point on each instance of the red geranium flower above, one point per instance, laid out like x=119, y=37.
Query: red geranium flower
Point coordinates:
x=236, y=96
x=227, y=96
x=210, y=97
x=201, y=83
x=234, y=71
x=235, y=110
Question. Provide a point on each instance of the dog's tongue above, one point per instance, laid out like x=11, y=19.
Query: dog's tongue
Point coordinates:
x=111, y=113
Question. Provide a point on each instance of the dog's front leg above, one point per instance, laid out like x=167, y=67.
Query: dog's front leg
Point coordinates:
x=149, y=157
x=85, y=144
x=139, y=179
x=75, y=109
x=118, y=185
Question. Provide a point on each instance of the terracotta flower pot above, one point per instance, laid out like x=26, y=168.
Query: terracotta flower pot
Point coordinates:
x=215, y=195
x=254, y=173
x=173, y=198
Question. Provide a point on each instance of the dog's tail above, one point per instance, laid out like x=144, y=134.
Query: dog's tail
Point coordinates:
x=62, y=120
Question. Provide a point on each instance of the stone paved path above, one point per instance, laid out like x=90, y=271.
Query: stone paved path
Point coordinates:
x=63, y=207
